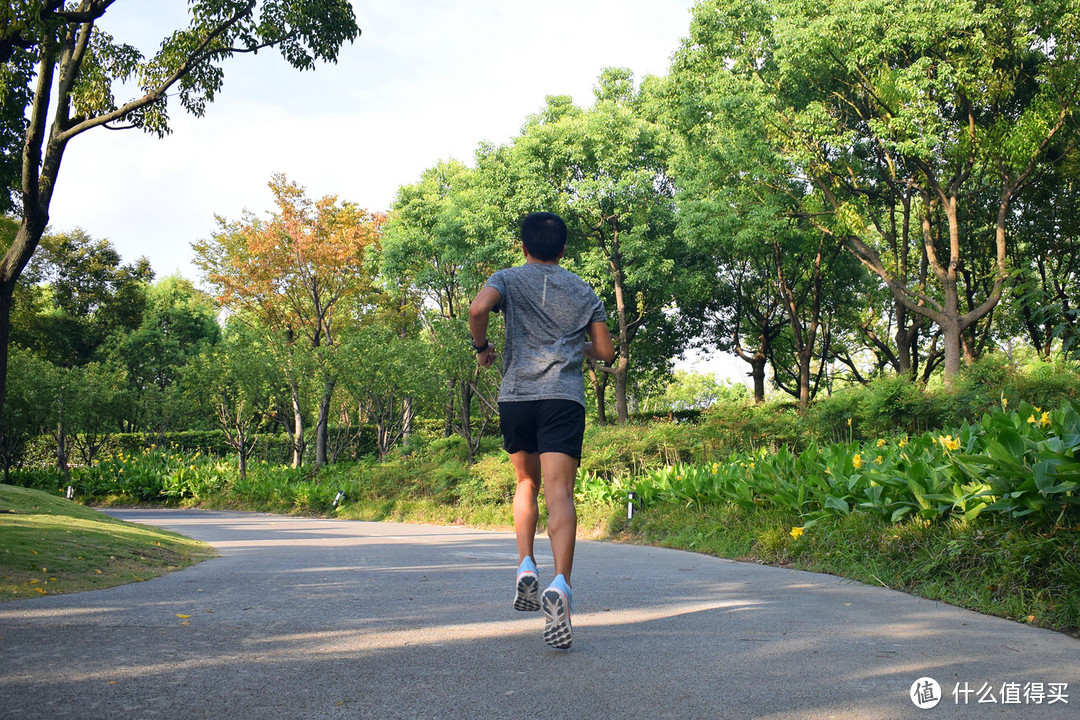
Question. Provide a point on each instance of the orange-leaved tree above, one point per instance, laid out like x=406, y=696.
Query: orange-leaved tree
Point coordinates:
x=300, y=276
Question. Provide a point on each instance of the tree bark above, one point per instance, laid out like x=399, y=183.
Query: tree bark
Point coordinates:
x=322, y=425
x=298, y=430
x=598, y=375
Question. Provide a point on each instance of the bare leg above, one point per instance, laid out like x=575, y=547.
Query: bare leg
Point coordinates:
x=527, y=468
x=559, y=473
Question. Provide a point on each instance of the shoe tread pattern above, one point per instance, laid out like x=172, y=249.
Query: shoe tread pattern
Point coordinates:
x=528, y=588
x=557, y=630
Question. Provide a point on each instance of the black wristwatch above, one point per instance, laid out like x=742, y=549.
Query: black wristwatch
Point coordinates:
x=481, y=348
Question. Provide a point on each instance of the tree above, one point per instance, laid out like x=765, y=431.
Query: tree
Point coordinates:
x=443, y=238
x=178, y=323
x=298, y=275
x=468, y=391
x=608, y=169
x=60, y=70
x=445, y=235
x=387, y=375
x=77, y=297
x=1046, y=287
x=234, y=382
x=922, y=124
x=28, y=411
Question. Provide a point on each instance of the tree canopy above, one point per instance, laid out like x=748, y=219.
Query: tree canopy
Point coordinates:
x=61, y=75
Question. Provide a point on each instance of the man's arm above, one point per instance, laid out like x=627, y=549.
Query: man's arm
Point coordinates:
x=479, y=313
x=600, y=347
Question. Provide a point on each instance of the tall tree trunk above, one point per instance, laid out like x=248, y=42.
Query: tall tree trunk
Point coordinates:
x=622, y=362
x=61, y=448
x=323, y=423
x=804, y=334
x=5, y=334
x=757, y=373
x=907, y=340
x=599, y=379
x=26, y=241
x=407, y=421
x=298, y=430
x=759, y=357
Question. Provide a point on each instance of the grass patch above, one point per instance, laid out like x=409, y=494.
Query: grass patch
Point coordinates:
x=50, y=546
x=1026, y=573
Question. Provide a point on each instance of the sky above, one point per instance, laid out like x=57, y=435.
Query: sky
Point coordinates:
x=426, y=80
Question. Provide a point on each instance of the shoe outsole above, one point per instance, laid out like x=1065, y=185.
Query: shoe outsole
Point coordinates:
x=557, y=630
x=528, y=589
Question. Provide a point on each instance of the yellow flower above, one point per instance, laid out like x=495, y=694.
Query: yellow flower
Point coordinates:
x=880, y=442
x=849, y=422
x=1004, y=401
x=796, y=532
x=857, y=461
x=1032, y=419
x=903, y=442
x=878, y=459
x=949, y=443
x=1045, y=419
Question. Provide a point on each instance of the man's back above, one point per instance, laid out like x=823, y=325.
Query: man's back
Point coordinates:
x=547, y=310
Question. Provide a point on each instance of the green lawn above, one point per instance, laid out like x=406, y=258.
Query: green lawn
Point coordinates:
x=49, y=546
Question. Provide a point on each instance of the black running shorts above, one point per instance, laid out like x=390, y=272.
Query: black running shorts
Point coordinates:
x=540, y=426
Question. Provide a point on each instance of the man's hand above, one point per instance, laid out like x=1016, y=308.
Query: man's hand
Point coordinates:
x=487, y=357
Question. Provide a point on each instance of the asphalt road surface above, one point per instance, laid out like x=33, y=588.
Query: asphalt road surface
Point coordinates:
x=310, y=618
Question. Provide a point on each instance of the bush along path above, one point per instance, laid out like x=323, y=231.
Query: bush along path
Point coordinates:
x=1020, y=465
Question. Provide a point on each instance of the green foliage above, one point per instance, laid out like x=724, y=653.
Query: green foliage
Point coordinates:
x=689, y=391
x=79, y=297
x=388, y=377
x=179, y=323
x=445, y=236
x=1014, y=464
x=860, y=121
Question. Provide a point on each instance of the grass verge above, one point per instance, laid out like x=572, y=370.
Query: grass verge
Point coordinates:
x=1025, y=573
x=50, y=546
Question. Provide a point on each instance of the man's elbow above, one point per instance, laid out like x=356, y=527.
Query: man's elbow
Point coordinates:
x=478, y=309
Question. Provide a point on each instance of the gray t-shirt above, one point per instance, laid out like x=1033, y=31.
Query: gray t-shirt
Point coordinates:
x=547, y=310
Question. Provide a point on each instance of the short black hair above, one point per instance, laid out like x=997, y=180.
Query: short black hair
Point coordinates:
x=544, y=235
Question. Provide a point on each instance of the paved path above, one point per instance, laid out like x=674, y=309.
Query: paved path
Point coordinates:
x=305, y=618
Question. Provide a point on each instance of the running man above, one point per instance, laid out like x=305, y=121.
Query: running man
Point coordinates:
x=549, y=311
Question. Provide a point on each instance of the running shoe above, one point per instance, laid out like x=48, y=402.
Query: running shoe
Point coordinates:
x=528, y=587
x=556, y=602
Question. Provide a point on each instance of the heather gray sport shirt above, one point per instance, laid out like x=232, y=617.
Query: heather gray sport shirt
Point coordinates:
x=547, y=310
